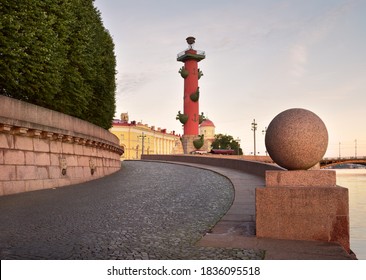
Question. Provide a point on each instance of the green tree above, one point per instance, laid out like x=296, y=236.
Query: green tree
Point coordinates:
x=102, y=106
x=30, y=52
x=57, y=54
x=226, y=142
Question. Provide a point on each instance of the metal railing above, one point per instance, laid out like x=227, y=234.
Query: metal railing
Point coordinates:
x=343, y=158
x=184, y=52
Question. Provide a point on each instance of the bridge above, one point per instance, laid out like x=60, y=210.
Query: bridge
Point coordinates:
x=333, y=161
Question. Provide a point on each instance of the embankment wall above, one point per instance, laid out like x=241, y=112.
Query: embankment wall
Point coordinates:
x=42, y=149
x=252, y=167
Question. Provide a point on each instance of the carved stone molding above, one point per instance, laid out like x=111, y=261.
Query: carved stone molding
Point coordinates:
x=52, y=136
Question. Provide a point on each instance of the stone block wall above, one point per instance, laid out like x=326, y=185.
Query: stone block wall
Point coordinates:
x=42, y=149
x=303, y=213
x=303, y=205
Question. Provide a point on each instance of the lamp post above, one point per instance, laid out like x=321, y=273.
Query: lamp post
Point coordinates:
x=238, y=140
x=254, y=128
x=355, y=148
x=264, y=132
x=339, y=150
x=142, y=137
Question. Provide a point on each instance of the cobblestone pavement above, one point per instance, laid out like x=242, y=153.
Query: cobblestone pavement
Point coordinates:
x=147, y=210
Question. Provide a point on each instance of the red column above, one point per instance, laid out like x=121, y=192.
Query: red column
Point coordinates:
x=191, y=74
x=191, y=108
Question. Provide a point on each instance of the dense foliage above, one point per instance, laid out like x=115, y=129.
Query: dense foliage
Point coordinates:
x=57, y=54
x=226, y=142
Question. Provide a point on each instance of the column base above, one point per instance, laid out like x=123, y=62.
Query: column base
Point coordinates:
x=303, y=205
x=187, y=142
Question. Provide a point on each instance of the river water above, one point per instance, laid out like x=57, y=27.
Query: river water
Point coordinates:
x=355, y=181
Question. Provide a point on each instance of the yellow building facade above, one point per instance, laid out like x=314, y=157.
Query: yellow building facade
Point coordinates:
x=137, y=139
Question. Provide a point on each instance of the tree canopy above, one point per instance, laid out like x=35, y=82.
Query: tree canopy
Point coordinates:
x=226, y=142
x=58, y=54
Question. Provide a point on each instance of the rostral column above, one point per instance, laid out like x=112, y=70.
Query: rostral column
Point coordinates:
x=190, y=117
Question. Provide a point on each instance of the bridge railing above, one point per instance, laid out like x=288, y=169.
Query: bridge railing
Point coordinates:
x=343, y=158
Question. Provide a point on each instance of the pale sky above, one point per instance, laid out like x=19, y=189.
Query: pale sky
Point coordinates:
x=262, y=57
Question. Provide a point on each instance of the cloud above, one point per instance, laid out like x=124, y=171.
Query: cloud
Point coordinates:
x=312, y=32
x=299, y=59
x=131, y=82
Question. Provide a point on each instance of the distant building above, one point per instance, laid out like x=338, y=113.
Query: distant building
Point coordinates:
x=207, y=128
x=137, y=138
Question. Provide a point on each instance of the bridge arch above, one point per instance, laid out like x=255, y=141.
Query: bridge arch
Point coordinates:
x=328, y=162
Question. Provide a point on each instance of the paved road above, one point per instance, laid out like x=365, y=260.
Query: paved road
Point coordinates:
x=148, y=210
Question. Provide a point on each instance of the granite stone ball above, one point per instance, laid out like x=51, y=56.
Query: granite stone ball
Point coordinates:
x=296, y=139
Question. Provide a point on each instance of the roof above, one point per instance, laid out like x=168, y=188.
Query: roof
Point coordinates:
x=207, y=122
x=140, y=126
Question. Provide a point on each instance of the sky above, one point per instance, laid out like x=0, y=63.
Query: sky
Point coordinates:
x=262, y=57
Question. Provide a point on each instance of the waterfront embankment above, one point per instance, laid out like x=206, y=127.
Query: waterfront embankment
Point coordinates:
x=355, y=181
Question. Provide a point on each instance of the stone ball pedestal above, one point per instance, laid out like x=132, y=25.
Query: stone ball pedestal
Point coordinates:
x=301, y=203
x=296, y=139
